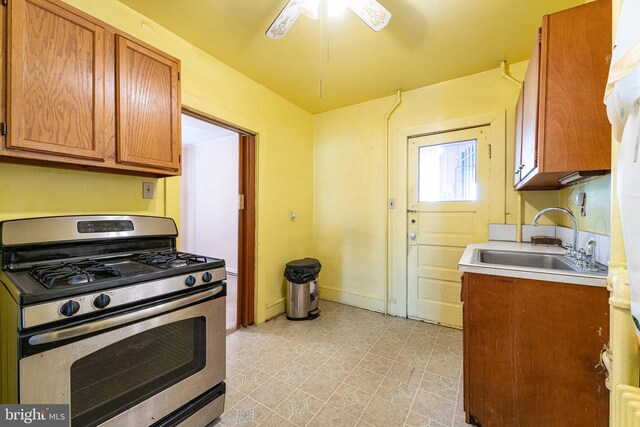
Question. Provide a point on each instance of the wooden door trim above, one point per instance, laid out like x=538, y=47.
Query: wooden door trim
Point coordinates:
x=246, y=216
x=247, y=227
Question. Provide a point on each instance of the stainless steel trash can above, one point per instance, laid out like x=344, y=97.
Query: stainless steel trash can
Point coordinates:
x=302, y=288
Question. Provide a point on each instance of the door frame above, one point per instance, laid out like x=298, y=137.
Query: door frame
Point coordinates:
x=246, y=216
x=446, y=313
x=398, y=163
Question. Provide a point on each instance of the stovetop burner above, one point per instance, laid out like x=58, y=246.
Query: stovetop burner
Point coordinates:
x=72, y=273
x=169, y=259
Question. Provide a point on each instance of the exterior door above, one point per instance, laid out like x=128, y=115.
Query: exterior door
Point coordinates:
x=448, y=208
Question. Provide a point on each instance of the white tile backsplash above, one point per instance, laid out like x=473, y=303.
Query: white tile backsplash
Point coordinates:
x=503, y=232
x=529, y=231
x=507, y=233
x=565, y=234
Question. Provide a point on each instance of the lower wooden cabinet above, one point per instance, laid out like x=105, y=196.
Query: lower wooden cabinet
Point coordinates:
x=531, y=350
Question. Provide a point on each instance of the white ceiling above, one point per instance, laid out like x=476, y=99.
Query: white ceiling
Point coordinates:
x=195, y=131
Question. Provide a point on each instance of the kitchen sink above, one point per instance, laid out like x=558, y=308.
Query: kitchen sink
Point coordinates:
x=530, y=260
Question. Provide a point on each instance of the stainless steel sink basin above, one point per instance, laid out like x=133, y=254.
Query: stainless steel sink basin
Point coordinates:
x=530, y=260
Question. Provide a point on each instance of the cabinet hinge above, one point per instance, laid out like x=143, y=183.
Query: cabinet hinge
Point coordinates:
x=5, y=2
x=241, y=202
x=3, y=129
x=179, y=158
x=178, y=75
x=489, y=150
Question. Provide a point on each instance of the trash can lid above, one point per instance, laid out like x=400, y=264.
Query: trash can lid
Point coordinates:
x=304, y=262
x=302, y=270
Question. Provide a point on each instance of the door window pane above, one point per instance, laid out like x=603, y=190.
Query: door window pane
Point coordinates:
x=447, y=172
x=123, y=374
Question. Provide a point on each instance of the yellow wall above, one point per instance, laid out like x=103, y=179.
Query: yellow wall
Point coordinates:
x=349, y=177
x=27, y=191
x=284, y=159
x=598, y=218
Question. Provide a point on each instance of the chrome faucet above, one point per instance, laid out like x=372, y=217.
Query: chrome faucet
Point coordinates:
x=590, y=255
x=572, y=250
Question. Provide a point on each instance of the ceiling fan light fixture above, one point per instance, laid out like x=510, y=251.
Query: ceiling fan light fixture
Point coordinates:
x=310, y=8
x=371, y=12
x=336, y=8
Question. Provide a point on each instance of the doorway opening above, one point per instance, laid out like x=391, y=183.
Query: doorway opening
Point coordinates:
x=218, y=205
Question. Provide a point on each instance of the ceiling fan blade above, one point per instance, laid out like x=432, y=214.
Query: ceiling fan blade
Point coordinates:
x=371, y=12
x=285, y=20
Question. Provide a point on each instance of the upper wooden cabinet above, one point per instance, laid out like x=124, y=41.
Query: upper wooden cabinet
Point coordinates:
x=562, y=120
x=148, y=114
x=56, y=79
x=81, y=94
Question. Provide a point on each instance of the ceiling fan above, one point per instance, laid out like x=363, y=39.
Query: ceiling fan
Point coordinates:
x=370, y=11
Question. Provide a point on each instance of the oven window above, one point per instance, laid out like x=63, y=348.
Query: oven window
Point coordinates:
x=118, y=377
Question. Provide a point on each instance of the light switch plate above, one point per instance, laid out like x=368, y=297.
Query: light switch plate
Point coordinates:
x=392, y=203
x=148, y=190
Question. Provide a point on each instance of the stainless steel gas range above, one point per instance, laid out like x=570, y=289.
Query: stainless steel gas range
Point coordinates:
x=102, y=313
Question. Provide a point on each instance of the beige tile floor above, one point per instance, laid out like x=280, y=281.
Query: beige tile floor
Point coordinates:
x=349, y=367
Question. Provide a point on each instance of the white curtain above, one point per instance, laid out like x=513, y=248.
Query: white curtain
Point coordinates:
x=622, y=98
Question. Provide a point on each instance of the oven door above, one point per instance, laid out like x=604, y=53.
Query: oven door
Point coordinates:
x=130, y=369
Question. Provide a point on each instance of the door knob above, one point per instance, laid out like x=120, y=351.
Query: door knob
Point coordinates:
x=412, y=236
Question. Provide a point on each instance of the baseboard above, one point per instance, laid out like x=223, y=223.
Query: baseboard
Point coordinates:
x=395, y=309
x=275, y=309
x=278, y=307
x=352, y=298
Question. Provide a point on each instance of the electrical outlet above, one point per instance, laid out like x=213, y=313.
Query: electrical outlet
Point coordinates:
x=148, y=190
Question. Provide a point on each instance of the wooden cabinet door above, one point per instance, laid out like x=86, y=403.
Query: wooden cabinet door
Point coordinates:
x=147, y=107
x=530, y=353
x=574, y=131
x=519, y=122
x=560, y=330
x=489, y=350
x=529, y=160
x=56, y=81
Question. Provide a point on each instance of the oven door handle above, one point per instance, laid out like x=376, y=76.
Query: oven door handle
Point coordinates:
x=100, y=325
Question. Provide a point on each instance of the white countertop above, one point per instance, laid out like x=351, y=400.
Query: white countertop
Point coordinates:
x=468, y=264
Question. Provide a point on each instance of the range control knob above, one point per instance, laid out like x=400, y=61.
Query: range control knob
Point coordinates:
x=190, y=281
x=101, y=301
x=207, y=277
x=69, y=308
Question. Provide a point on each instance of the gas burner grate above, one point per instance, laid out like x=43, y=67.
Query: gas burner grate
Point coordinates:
x=72, y=273
x=169, y=259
